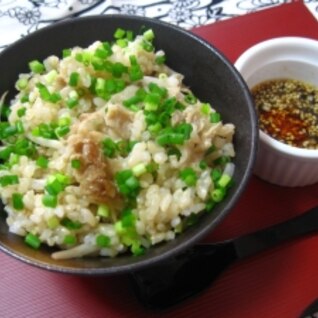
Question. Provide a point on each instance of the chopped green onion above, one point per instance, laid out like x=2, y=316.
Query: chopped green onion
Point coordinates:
x=14, y=159
x=222, y=160
x=160, y=59
x=32, y=240
x=73, y=99
x=36, y=67
x=22, y=83
x=103, y=211
x=118, y=69
x=218, y=194
x=224, y=181
x=107, y=47
x=62, y=131
x=203, y=164
x=135, y=71
x=152, y=167
x=42, y=162
x=127, y=183
x=6, y=152
x=216, y=174
x=147, y=46
x=71, y=225
x=70, y=239
x=215, y=117
x=51, y=76
x=53, y=222
x=190, y=98
x=137, y=250
x=122, y=43
x=19, y=127
x=139, y=169
x=21, y=111
x=46, y=95
x=119, y=33
x=76, y=164
x=205, y=109
x=17, y=201
x=66, y=53
x=102, y=240
x=57, y=183
x=49, y=200
x=189, y=176
x=149, y=35
x=109, y=148
x=9, y=180
x=73, y=81
x=24, y=99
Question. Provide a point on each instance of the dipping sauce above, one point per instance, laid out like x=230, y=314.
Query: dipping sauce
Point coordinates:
x=288, y=111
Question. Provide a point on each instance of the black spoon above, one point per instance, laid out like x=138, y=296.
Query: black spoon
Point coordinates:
x=185, y=275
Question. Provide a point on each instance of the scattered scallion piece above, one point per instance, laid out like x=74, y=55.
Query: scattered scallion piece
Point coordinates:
x=102, y=240
x=51, y=76
x=36, y=67
x=61, y=131
x=224, y=181
x=205, y=109
x=127, y=183
x=119, y=33
x=49, y=200
x=135, y=71
x=189, y=176
x=17, y=201
x=42, y=162
x=66, y=53
x=53, y=222
x=218, y=194
x=190, y=98
x=32, y=240
x=74, y=78
x=203, y=164
x=109, y=147
x=70, y=239
x=139, y=169
x=215, y=117
x=22, y=83
x=21, y=111
x=216, y=174
x=76, y=164
x=9, y=180
x=103, y=211
x=160, y=59
x=70, y=224
x=149, y=35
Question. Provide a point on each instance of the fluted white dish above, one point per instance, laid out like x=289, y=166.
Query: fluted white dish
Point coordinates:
x=277, y=58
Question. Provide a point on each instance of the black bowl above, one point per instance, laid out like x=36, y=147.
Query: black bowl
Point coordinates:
x=210, y=76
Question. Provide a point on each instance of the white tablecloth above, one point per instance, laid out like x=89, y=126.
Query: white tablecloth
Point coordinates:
x=21, y=17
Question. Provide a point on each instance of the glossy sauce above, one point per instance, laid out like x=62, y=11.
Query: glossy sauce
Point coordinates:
x=288, y=111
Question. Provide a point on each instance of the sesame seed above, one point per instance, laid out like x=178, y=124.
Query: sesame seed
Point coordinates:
x=288, y=111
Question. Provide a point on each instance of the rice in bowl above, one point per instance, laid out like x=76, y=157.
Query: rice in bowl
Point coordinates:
x=105, y=150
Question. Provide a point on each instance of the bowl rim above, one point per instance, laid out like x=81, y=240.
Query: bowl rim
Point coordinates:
x=274, y=44
x=142, y=263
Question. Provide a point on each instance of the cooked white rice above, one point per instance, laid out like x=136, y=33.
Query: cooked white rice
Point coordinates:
x=161, y=205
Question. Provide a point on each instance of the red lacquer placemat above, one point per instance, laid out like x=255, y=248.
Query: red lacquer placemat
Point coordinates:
x=278, y=283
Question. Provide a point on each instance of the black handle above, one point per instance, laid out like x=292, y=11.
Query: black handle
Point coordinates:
x=176, y=279
x=274, y=235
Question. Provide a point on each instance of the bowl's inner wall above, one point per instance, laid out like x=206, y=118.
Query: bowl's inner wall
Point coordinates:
x=292, y=69
x=211, y=77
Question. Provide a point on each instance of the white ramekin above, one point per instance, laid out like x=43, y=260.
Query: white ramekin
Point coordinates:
x=284, y=57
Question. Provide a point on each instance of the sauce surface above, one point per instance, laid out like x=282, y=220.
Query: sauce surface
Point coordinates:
x=288, y=111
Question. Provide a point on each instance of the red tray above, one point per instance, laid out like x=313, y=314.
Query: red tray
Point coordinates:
x=280, y=282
